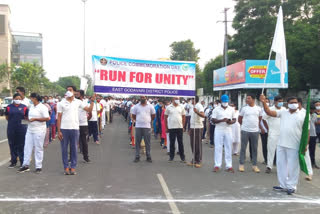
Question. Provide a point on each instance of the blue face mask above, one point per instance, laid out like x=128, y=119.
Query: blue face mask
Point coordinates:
x=280, y=104
x=210, y=107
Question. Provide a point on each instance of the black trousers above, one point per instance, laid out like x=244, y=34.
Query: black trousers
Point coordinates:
x=264, y=140
x=312, y=148
x=212, y=128
x=83, y=141
x=173, y=135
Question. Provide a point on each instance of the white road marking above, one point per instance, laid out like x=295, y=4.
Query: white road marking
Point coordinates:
x=2, y=141
x=4, y=161
x=147, y=200
x=168, y=195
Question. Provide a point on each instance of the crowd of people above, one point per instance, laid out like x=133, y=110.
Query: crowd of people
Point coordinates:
x=229, y=132
x=34, y=123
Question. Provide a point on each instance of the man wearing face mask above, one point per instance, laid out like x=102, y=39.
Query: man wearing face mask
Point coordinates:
x=25, y=101
x=68, y=127
x=223, y=116
x=314, y=133
x=291, y=122
x=274, y=131
x=143, y=114
x=175, y=118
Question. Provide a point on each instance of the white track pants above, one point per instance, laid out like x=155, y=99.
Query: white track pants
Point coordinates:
x=272, y=146
x=103, y=118
x=168, y=143
x=222, y=138
x=34, y=140
x=308, y=162
x=288, y=167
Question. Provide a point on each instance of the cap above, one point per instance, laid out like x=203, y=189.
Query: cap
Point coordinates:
x=224, y=98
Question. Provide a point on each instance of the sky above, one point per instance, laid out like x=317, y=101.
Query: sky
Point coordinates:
x=138, y=29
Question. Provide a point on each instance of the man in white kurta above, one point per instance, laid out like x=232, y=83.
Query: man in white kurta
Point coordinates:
x=223, y=116
x=291, y=122
x=274, y=131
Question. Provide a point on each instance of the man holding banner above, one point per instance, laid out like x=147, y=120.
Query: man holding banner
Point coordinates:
x=291, y=124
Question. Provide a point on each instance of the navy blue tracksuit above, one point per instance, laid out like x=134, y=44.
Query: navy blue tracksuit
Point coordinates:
x=16, y=131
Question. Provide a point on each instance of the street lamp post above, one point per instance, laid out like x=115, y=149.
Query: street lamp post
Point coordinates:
x=84, y=37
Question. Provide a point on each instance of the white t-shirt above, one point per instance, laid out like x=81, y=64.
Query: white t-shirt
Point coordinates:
x=188, y=107
x=143, y=115
x=83, y=119
x=38, y=111
x=175, y=114
x=220, y=113
x=26, y=102
x=290, y=128
x=196, y=122
x=104, y=103
x=313, y=119
x=250, y=120
x=95, y=110
x=70, y=113
x=273, y=122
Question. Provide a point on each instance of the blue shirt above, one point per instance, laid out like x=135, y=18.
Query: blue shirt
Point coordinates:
x=15, y=115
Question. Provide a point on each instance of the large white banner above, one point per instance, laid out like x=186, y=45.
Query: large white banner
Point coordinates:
x=132, y=76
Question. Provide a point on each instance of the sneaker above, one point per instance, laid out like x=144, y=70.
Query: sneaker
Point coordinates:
x=255, y=169
x=170, y=160
x=38, y=171
x=308, y=177
x=73, y=171
x=278, y=188
x=190, y=163
x=24, y=169
x=216, y=169
x=241, y=168
x=198, y=165
x=66, y=171
x=290, y=191
x=230, y=170
x=136, y=160
x=97, y=142
x=149, y=160
x=268, y=170
x=12, y=165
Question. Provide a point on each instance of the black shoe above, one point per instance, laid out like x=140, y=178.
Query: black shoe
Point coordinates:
x=290, y=191
x=12, y=165
x=278, y=188
x=87, y=160
x=170, y=160
x=24, y=169
x=136, y=160
x=149, y=160
x=38, y=170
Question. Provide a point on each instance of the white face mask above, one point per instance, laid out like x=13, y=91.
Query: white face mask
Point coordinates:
x=293, y=106
x=69, y=94
x=225, y=104
x=318, y=107
x=17, y=102
x=177, y=101
x=215, y=105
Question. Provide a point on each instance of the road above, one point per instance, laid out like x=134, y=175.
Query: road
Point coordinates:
x=112, y=183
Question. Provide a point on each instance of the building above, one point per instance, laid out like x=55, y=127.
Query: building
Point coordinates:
x=5, y=41
x=27, y=47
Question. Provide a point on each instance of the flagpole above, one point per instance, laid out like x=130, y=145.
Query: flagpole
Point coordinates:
x=265, y=78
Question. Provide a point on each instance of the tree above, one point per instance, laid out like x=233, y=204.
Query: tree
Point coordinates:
x=5, y=75
x=30, y=76
x=255, y=22
x=184, y=51
x=69, y=81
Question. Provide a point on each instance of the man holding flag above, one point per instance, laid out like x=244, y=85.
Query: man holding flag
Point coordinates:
x=291, y=130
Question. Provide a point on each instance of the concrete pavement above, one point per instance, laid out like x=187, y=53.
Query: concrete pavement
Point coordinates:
x=113, y=178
